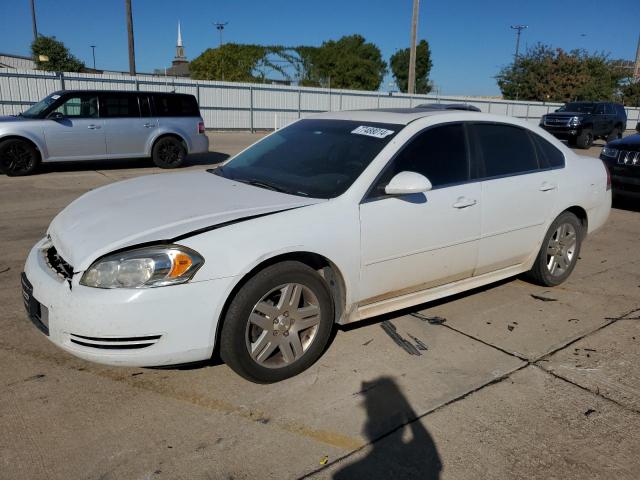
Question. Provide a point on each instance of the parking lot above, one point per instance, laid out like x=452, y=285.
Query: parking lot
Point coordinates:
x=516, y=381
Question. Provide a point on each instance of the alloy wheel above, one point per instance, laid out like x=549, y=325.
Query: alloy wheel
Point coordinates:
x=16, y=157
x=283, y=325
x=561, y=249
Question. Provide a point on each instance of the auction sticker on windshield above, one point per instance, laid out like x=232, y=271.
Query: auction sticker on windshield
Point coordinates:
x=372, y=131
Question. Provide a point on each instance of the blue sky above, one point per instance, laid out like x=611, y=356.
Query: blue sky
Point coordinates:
x=470, y=40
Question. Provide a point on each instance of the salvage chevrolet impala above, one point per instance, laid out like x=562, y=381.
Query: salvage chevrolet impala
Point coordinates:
x=331, y=220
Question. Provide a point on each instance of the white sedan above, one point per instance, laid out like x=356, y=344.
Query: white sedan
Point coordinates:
x=331, y=220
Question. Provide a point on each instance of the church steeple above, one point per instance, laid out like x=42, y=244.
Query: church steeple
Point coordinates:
x=180, y=57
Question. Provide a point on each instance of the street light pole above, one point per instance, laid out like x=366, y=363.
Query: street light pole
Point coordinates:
x=519, y=29
x=220, y=27
x=411, y=88
x=132, y=54
x=33, y=20
x=93, y=52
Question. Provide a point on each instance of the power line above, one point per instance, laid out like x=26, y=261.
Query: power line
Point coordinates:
x=519, y=29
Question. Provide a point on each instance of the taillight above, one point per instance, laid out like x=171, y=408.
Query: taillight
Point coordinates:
x=606, y=168
x=201, y=127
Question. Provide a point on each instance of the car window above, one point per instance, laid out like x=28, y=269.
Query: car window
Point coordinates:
x=505, y=149
x=84, y=105
x=118, y=106
x=599, y=109
x=548, y=155
x=176, y=106
x=438, y=153
x=145, y=106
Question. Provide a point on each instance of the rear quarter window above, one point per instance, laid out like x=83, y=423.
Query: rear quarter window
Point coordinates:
x=548, y=155
x=505, y=149
x=176, y=106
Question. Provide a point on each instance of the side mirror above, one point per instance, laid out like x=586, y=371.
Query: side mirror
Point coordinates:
x=55, y=116
x=407, y=183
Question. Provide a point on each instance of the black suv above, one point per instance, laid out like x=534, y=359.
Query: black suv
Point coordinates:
x=580, y=123
x=622, y=157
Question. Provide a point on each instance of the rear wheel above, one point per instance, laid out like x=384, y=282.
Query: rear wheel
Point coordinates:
x=18, y=158
x=168, y=152
x=585, y=139
x=278, y=324
x=559, y=252
x=615, y=134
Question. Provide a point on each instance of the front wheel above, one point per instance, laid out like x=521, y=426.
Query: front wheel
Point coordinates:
x=559, y=252
x=18, y=158
x=585, y=139
x=278, y=324
x=168, y=152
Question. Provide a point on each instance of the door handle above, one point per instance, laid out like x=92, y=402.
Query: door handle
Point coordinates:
x=93, y=127
x=148, y=125
x=464, y=202
x=546, y=186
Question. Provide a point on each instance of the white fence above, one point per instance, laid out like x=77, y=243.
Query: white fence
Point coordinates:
x=247, y=106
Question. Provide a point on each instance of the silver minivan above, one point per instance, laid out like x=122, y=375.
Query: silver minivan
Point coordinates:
x=92, y=125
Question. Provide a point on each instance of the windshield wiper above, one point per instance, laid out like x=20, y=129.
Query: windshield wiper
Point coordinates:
x=270, y=186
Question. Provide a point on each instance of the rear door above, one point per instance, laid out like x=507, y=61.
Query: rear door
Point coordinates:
x=517, y=195
x=127, y=131
x=79, y=133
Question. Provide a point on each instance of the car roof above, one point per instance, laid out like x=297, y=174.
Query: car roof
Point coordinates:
x=399, y=116
x=61, y=92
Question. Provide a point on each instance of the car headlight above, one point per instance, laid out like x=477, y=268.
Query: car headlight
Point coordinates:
x=610, y=152
x=574, y=121
x=145, y=267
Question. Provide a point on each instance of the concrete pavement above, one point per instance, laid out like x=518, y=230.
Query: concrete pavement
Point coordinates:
x=510, y=386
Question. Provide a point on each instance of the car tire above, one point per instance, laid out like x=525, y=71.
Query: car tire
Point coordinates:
x=585, y=139
x=615, y=134
x=18, y=158
x=559, y=252
x=168, y=152
x=278, y=323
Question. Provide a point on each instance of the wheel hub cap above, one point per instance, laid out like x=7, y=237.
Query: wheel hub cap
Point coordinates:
x=561, y=249
x=283, y=325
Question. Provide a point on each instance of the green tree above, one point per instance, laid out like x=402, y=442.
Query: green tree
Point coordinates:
x=547, y=74
x=400, y=68
x=350, y=62
x=235, y=62
x=60, y=59
x=631, y=94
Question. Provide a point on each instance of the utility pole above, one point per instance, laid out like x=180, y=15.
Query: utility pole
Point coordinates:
x=412, y=50
x=636, y=70
x=220, y=27
x=132, y=54
x=33, y=20
x=93, y=52
x=519, y=29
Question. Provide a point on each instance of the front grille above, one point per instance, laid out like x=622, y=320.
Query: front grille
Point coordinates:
x=556, y=122
x=114, y=343
x=58, y=264
x=629, y=157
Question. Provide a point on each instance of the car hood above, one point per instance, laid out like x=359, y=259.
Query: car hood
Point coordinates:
x=157, y=208
x=13, y=119
x=567, y=114
x=632, y=142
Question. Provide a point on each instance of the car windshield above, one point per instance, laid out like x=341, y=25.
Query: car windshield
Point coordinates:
x=314, y=158
x=578, y=107
x=41, y=106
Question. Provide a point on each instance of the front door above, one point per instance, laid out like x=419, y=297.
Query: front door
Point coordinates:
x=413, y=242
x=79, y=133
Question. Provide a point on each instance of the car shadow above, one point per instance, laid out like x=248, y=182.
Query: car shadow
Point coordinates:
x=401, y=447
x=205, y=159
